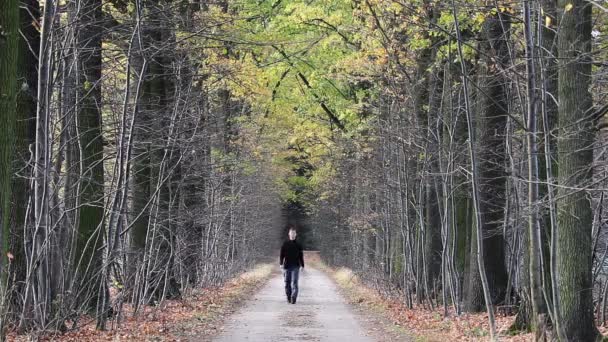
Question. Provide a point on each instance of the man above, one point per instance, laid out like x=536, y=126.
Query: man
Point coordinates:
x=291, y=260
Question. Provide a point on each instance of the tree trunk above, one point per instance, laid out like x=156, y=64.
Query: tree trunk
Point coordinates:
x=433, y=243
x=44, y=281
x=9, y=46
x=24, y=136
x=140, y=186
x=490, y=129
x=427, y=95
x=575, y=156
x=89, y=241
x=152, y=234
x=475, y=184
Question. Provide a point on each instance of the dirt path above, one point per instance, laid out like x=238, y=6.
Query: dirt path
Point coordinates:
x=320, y=314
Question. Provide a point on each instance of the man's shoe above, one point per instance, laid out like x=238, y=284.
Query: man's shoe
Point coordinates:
x=288, y=300
x=293, y=300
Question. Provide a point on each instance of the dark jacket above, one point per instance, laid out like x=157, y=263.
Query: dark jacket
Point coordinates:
x=291, y=255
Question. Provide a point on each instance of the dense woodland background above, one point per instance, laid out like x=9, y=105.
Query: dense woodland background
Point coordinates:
x=453, y=153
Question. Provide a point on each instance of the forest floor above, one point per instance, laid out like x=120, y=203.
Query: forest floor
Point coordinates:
x=197, y=316
x=422, y=324
x=333, y=305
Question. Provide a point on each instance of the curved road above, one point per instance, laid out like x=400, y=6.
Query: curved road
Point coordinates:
x=319, y=315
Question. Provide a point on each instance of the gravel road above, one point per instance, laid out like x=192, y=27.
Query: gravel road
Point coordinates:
x=320, y=314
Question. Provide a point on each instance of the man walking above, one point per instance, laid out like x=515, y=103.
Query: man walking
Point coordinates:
x=291, y=259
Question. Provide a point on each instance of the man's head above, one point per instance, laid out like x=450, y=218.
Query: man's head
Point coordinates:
x=292, y=233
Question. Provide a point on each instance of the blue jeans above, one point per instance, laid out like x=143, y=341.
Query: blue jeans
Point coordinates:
x=291, y=281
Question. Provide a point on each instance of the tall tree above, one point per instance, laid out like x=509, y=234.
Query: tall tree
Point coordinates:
x=549, y=169
x=142, y=169
x=27, y=74
x=9, y=46
x=89, y=241
x=575, y=157
x=152, y=230
x=534, y=239
x=491, y=122
x=40, y=259
x=427, y=97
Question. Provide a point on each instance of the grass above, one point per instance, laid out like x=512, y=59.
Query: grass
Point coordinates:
x=419, y=323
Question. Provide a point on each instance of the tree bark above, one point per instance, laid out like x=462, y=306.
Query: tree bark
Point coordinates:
x=89, y=241
x=9, y=47
x=575, y=156
x=490, y=130
x=475, y=184
x=25, y=136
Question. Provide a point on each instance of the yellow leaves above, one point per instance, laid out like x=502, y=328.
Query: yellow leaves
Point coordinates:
x=241, y=76
x=479, y=18
x=395, y=7
x=568, y=7
x=322, y=174
x=502, y=9
x=300, y=12
x=548, y=20
x=36, y=25
x=505, y=9
x=332, y=42
x=117, y=284
x=419, y=42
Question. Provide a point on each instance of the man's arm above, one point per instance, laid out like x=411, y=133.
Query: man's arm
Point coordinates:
x=282, y=255
x=301, y=256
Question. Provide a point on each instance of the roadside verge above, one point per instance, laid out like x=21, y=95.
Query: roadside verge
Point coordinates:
x=398, y=323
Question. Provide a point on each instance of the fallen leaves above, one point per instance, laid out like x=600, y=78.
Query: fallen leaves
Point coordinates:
x=195, y=317
x=431, y=325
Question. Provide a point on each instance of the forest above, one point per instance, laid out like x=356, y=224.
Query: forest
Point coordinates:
x=451, y=152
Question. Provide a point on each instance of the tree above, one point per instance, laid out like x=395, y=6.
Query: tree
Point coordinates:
x=491, y=122
x=575, y=158
x=9, y=47
x=427, y=99
x=24, y=136
x=152, y=236
x=90, y=237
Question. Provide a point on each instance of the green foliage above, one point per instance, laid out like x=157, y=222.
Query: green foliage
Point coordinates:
x=318, y=41
x=300, y=59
